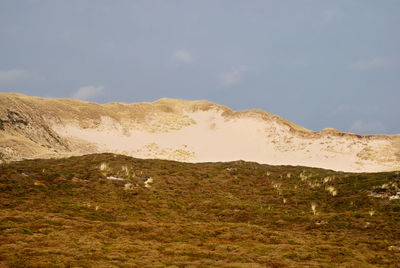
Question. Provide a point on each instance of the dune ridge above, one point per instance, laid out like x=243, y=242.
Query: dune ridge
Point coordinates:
x=189, y=131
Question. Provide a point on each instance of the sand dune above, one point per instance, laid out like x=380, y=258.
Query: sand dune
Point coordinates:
x=191, y=131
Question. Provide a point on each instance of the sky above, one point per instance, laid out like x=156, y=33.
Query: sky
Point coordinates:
x=316, y=63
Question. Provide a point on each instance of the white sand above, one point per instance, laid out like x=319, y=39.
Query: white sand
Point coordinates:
x=213, y=138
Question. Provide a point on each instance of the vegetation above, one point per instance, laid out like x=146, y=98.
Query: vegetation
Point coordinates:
x=108, y=210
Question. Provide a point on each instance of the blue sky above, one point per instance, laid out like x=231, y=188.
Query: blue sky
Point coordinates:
x=316, y=63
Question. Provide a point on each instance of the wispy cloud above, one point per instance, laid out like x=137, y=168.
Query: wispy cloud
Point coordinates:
x=13, y=75
x=328, y=17
x=87, y=92
x=341, y=109
x=367, y=127
x=331, y=15
x=233, y=77
x=183, y=56
x=364, y=110
x=371, y=64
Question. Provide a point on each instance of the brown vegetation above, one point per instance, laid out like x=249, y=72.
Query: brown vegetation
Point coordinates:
x=95, y=211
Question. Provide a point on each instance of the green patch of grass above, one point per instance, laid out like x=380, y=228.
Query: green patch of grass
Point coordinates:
x=8, y=225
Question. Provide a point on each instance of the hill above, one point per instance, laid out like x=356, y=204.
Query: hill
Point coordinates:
x=190, y=131
x=106, y=210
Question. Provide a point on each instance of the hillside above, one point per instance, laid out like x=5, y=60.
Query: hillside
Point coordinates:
x=106, y=210
x=190, y=131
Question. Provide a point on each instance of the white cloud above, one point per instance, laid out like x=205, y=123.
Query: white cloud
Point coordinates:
x=183, y=56
x=367, y=127
x=341, y=109
x=87, y=92
x=12, y=75
x=371, y=64
x=331, y=15
x=328, y=17
x=233, y=77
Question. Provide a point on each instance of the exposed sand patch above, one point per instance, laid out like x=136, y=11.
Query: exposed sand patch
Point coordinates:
x=115, y=178
x=214, y=137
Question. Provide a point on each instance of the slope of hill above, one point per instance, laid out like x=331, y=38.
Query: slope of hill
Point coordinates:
x=105, y=210
x=190, y=131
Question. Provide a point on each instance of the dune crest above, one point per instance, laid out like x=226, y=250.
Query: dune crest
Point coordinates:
x=190, y=131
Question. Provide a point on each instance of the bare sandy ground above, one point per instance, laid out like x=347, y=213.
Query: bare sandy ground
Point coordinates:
x=213, y=137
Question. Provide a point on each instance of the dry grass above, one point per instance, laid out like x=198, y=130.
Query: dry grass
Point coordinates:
x=65, y=212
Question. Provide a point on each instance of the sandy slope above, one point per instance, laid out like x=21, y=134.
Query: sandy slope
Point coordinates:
x=197, y=131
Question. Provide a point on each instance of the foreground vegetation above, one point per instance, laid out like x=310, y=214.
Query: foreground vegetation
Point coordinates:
x=112, y=210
